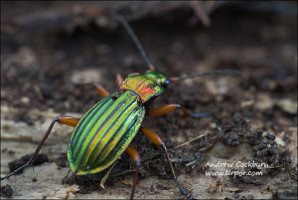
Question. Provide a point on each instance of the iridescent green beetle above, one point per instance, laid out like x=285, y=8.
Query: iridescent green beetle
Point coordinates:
x=108, y=128
x=104, y=132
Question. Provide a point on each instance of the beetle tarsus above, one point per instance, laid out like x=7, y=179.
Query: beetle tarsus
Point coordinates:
x=17, y=170
x=183, y=191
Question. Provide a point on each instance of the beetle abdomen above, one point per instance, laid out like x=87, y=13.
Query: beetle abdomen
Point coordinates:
x=104, y=133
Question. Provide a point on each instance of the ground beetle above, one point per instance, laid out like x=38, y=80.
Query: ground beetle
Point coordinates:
x=106, y=130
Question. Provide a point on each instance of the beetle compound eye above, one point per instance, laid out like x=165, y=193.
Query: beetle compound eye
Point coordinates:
x=166, y=83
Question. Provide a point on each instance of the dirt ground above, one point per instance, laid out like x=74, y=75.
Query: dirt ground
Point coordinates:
x=252, y=118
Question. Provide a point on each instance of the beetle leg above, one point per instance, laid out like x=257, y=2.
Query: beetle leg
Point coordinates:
x=194, y=114
x=101, y=90
x=62, y=119
x=155, y=139
x=106, y=176
x=132, y=152
x=163, y=110
x=119, y=79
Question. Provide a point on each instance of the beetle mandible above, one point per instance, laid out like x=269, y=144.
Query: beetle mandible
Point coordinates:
x=106, y=130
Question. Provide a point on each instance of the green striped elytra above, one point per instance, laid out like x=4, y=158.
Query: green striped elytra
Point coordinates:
x=106, y=130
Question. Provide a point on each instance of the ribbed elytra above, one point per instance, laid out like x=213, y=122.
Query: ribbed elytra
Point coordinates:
x=104, y=133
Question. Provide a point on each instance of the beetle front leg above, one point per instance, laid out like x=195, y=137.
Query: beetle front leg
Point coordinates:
x=155, y=139
x=132, y=152
x=62, y=119
x=101, y=90
x=119, y=79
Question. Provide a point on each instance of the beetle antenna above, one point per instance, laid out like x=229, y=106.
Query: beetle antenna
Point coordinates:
x=135, y=39
x=215, y=72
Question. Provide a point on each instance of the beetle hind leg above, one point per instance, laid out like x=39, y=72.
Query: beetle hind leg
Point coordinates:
x=62, y=119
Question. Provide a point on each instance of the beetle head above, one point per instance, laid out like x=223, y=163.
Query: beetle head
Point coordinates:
x=159, y=77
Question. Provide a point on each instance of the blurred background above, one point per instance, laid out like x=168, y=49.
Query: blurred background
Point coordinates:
x=52, y=51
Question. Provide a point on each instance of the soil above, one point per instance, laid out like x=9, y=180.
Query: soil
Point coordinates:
x=252, y=118
x=6, y=191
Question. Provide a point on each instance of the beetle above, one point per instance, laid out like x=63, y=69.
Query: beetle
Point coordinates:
x=107, y=129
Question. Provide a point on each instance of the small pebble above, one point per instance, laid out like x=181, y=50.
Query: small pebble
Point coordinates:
x=25, y=100
x=6, y=191
x=288, y=105
x=86, y=76
x=270, y=136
